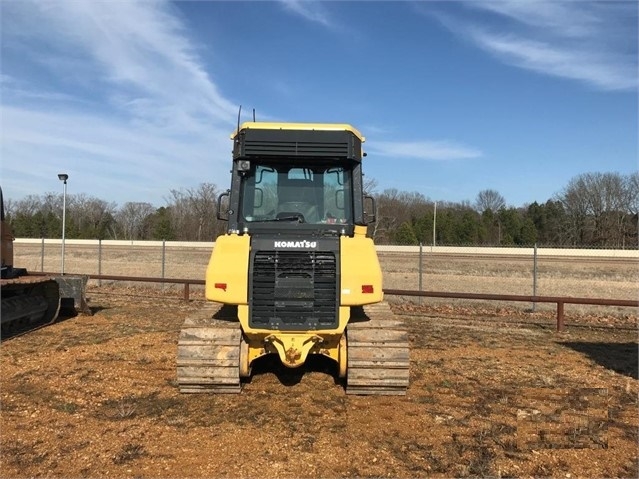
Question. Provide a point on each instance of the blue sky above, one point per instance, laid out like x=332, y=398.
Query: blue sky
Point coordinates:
x=134, y=99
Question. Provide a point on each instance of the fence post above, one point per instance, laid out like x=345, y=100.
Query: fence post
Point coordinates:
x=560, y=316
x=420, y=270
x=163, y=259
x=42, y=257
x=100, y=261
x=534, y=277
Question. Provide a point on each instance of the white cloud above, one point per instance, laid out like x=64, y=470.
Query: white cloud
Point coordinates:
x=592, y=42
x=423, y=150
x=137, y=49
x=313, y=11
x=603, y=70
x=557, y=16
x=125, y=101
x=104, y=157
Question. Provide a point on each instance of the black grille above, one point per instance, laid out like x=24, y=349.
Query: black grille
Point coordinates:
x=296, y=148
x=331, y=144
x=294, y=290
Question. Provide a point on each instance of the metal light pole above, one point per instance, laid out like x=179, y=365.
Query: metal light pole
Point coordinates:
x=63, y=177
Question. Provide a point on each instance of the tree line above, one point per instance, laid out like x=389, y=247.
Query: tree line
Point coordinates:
x=190, y=215
x=592, y=210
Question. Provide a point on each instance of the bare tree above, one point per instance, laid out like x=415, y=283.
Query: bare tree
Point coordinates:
x=132, y=218
x=370, y=186
x=388, y=205
x=396, y=207
x=29, y=205
x=9, y=206
x=92, y=217
x=632, y=188
x=598, y=206
x=489, y=200
x=194, y=212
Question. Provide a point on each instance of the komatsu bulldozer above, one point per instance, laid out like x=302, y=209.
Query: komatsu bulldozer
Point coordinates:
x=295, y=274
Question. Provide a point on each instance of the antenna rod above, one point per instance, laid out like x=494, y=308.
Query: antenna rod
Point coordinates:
x=253, y=115
x=239, y=114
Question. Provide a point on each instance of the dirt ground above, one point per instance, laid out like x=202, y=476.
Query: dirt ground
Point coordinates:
x=494, y=393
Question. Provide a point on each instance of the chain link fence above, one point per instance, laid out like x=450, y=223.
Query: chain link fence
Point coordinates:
x=612, y=274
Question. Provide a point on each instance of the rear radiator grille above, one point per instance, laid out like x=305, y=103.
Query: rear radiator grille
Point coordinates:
x=294, y=290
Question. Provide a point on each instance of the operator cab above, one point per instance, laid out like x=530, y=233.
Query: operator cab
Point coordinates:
x=313, y=194
x=305, y=178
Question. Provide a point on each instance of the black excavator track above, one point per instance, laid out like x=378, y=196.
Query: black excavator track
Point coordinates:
x=28, y=303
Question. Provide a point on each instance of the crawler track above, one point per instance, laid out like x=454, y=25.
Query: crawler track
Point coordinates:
x=28, y=303
x=378, y=352
x=208, y=359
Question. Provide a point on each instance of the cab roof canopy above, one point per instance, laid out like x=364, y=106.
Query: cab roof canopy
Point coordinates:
x=338, y=141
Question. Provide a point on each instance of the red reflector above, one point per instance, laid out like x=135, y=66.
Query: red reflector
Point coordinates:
x=367, y=289
x=221, y=286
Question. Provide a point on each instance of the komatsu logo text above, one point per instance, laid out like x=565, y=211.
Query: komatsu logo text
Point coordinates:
x=295, y=244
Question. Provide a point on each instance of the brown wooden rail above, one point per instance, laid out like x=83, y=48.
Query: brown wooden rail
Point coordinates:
x=560, y=301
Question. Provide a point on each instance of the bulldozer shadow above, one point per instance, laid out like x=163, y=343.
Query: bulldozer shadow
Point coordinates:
x=20, y=328
x=68, y=310
x=315, y=363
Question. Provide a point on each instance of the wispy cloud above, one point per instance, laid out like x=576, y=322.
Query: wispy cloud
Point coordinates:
x=122, y=99
x=423, y=150
x=103, y=156
x=138, y=45
x=559, y=16
x=607, y=71
x=592, y=42
x=311, y=10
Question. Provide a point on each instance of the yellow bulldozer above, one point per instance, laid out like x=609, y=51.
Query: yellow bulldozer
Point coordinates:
x=295, y=274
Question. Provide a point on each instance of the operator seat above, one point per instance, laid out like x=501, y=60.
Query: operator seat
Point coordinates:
x=296, y=196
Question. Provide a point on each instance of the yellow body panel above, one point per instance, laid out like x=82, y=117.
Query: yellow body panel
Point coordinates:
x=293, y=347
x=229, y=265
x=359, y=267
x=299, y=126
x=227, y=282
